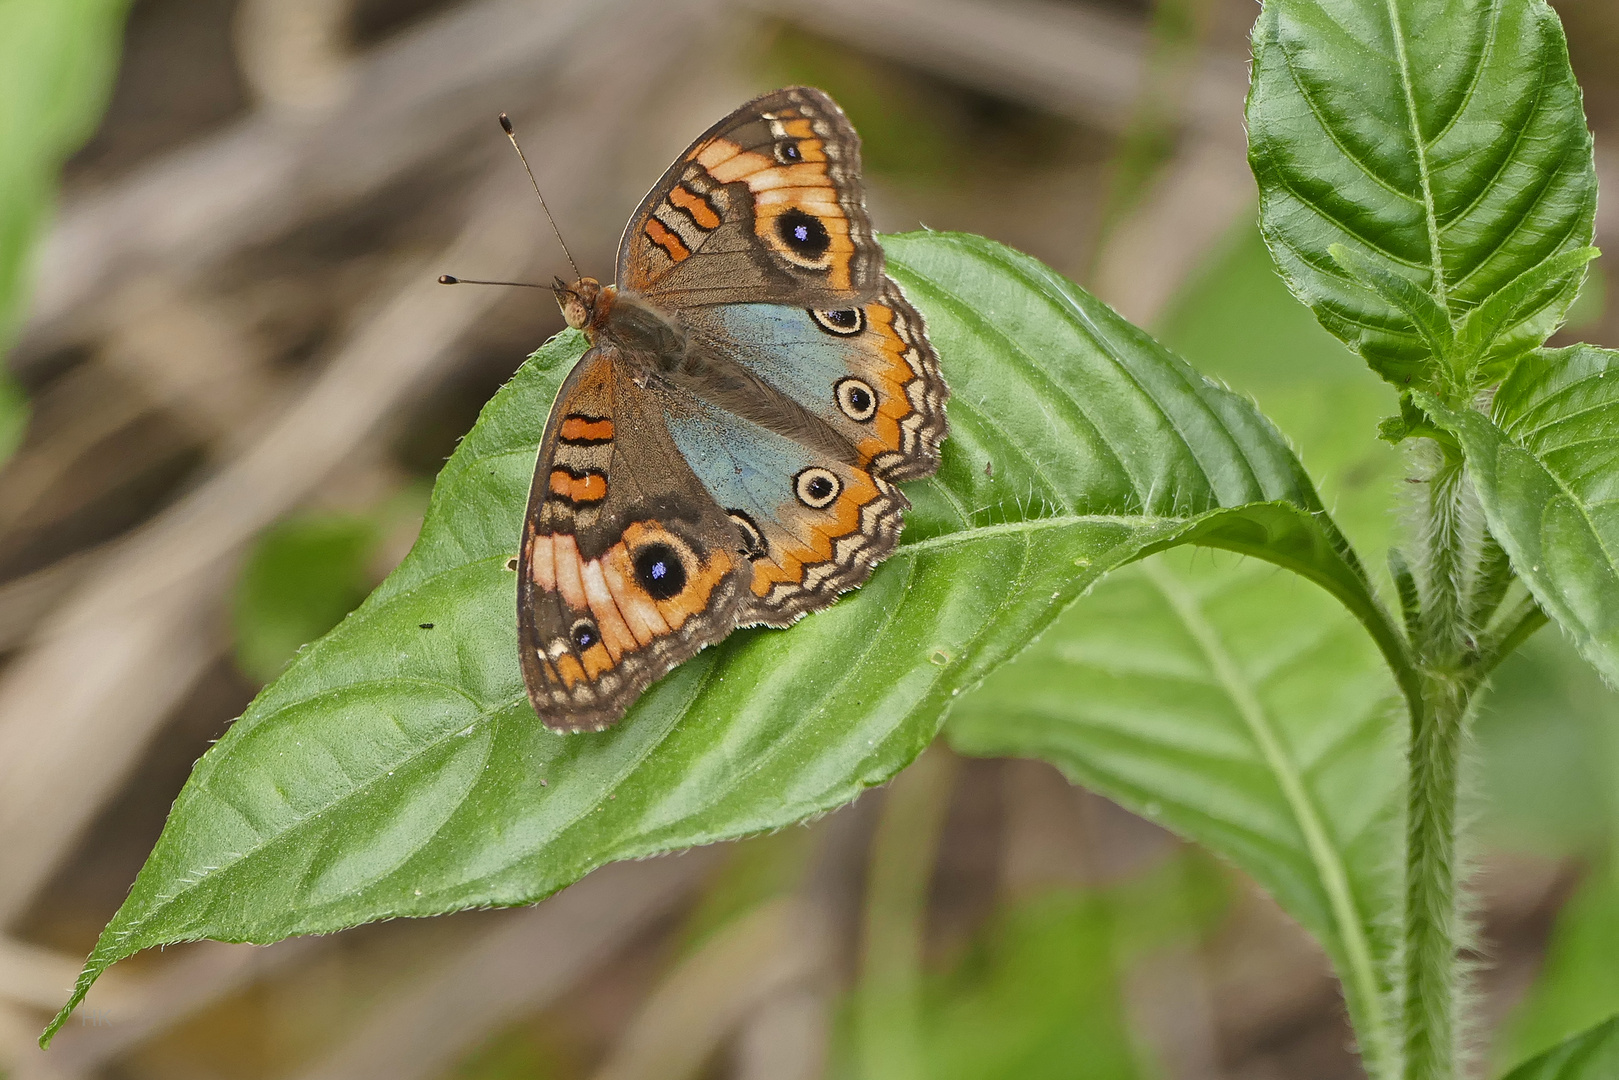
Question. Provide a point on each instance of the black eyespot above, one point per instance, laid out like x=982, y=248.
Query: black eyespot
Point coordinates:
x=787, y=153
x=752, y=539
x=803, y=234
x=857, y=399
x=845, y=323
x=584, y=634
x=817, y=488
x=659, y=571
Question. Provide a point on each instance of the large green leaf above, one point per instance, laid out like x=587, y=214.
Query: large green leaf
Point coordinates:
x=1242, y=709
x=1592, y=1055
x=1546, y=467
x=1443, y=145
x=397, y=769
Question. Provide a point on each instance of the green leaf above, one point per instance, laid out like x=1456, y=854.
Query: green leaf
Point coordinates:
x=57, y=62
x=1548, y=749
x=1546, y=464
x=394, y=770
x=1418, y=305
x=1486, y=323
x=1442, y=141
x=1593, y=1055
x=303, y=575
x=1579, y=984
x=1241, y=709
x=1237, y=322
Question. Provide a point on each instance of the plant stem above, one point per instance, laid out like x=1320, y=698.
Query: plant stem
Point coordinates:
x=1444, y=647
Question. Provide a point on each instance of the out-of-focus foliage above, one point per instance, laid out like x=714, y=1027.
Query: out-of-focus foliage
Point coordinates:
x=1038, y=993
x=13, y=416
x=302, y=577
x=1550, y=741
x=1591, y=1055
x=1579, y=985
x=57, y=62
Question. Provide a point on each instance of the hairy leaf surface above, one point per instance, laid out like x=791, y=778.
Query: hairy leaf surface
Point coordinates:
x=1443, y=143
x=396, y=768
x=1546, y=466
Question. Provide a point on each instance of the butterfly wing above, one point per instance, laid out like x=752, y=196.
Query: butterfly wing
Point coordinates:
x=812, y=524
x=867, y=372
x=765, y=207
x=627, y=566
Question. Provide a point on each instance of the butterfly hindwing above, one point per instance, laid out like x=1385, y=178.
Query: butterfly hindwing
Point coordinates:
x=765, y=207
x=868, y=372
x=813, y=523
x=627, y=565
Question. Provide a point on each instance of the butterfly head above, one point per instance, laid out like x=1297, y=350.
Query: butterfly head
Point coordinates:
x=585, y=303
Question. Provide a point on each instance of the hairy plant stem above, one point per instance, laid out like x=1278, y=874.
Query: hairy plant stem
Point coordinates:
x=1444, y=648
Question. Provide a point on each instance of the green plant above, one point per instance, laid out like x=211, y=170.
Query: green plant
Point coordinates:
x=1427, y=189
x=56, y=66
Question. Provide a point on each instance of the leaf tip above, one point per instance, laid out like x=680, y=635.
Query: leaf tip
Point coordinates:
x=92, y=971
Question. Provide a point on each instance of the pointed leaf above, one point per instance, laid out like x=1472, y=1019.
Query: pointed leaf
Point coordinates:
x=397, y=769
x=1444, y=141
x=1593, y=1055
x=1241, y=709
x=1546, y=466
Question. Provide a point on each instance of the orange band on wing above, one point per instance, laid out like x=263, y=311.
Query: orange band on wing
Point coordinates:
x=579, y=429
x=893, y=404
x=640, y=611
x=571, y=671
x=845, y=519
x=591, y=487
x=615, y=634
x=667, y=240
x=695, y=205
x=597, y=660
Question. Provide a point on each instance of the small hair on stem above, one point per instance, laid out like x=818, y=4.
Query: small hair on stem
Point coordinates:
x=511, y=133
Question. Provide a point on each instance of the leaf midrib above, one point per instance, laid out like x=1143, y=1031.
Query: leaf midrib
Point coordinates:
x=1420, y=148
x=1330, y=868
x=1021, y=529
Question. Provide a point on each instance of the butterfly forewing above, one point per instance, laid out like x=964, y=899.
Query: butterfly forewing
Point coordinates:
x=627, y=567
x=765, y=207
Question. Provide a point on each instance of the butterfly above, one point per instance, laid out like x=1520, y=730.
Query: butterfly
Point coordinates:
x=726, y=452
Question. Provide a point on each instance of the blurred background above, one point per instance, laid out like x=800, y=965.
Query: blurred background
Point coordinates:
x=231, y=378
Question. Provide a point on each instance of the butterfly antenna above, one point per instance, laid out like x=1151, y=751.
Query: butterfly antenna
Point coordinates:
x=506, y=126
x=448, y=279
